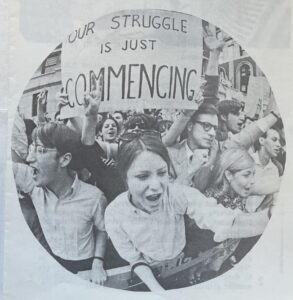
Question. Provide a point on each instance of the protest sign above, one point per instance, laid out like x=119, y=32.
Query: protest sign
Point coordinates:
x=146, y=58
x=257, y=96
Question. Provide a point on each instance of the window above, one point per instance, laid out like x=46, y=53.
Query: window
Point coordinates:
x=241, y=51
x=35, y=105
x=50, y=64
x=244, y=77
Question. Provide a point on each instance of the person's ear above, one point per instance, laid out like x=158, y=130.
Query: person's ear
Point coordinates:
x=261, y=140
x=228, y=175
x=223, y=118
x=189, y=126
x=65, y=159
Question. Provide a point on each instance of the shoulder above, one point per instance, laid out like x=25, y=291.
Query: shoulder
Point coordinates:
x=177, y=146
x=91, y=191
x=118, y=205
x=182, y=192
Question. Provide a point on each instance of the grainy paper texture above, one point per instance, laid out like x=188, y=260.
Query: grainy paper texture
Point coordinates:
x=30, y=30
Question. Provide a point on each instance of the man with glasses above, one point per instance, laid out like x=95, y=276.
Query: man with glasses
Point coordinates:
x=71, y=212
x=193, y=157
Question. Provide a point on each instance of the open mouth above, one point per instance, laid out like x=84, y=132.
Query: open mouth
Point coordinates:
x=153, y=197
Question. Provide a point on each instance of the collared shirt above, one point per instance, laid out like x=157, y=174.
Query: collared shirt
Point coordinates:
x=67, y=222
x=189, y=153
x=140, y=236
x=266, y=173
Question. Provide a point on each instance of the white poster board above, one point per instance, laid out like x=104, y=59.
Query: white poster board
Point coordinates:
x=147, y=59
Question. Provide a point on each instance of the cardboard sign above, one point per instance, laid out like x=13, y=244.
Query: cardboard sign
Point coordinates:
x=147, y=59
x=258, y=96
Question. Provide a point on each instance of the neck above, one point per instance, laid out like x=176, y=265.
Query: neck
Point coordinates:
x=225, y=190
x=192, y=146
x=264, y=158
x=61, y=184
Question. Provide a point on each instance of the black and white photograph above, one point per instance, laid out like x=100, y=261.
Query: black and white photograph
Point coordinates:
x=147, y=152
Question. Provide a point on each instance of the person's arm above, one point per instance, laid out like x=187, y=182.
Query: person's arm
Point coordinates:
x=266, y=186
x=249, y=134
x=199, y=159
x=42, y=104
x=74, y=123
x=211, y=87
x=147, y=276
x=125, y=247
x=98, y=274
x=177, y=127
x=224, y=222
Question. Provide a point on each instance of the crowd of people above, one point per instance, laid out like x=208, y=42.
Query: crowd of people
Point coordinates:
x=110, y=189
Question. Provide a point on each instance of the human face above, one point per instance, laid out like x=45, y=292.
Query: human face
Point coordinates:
x=118, y=117
x=235, y=121
x=198, y=137
x=109, y=130
x=242, y=181
x=272, y=143
x=44, y=164
x=147, y=179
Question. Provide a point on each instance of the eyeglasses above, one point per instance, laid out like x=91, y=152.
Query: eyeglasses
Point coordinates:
x=136, y=134
x=39, y=149
x=207, y=126
x=140, y=124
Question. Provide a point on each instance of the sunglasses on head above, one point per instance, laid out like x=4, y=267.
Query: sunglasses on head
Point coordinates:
x=136, y=134
x=137, y=124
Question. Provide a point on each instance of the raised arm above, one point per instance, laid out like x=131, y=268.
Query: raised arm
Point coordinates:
x=248, y=135
x=209, y=89
x=42, y=105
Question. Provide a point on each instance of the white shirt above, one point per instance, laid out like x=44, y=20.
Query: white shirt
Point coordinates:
x=68, y=222
x=140, y=236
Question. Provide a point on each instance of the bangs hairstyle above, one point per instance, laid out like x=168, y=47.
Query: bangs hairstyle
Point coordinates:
x=233, y=160
x=101, y=124
x=204, y=109
x=128, y=151
x=65, y=140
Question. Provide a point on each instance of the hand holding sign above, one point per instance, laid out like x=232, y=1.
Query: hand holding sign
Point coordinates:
x=92, y=100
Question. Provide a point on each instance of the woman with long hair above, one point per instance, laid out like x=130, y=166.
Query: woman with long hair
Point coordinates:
x=146, y=223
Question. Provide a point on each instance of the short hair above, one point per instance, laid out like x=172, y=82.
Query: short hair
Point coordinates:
x=204, y=109
x=234, y=160
x=64, y=139
x=128, y=151
x=121, y=113
x=257, y=144
x=226, y=107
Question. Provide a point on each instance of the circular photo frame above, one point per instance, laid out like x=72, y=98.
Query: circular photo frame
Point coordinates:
x=148, y=151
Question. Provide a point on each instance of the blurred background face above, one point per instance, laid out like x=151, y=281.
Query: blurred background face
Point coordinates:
x=118, y=117
x=199, y=136
x=109, y=131
x=147, y=180
x=271, y=143
x=242, y=181
x=235, y=121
